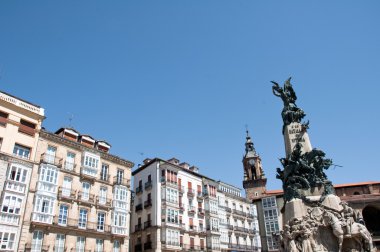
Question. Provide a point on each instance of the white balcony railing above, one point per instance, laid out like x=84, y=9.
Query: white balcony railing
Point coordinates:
x=120, y=204
x=119, y=230
x=9, y=218
x=42, y=217
x=15, y=186
x=47, y=187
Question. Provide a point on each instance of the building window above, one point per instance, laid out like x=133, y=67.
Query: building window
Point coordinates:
x=21, y=151
x=86, y=191
x=270, y=214
x=99, y=245
x=7, y=240
x=172, y=215
x=44, y=204
x=37, y=241
x=18, y=174
x=3, y=118
x=11, y=204
x=104, y=172
x=116, y=246
x=91, y=161
x=66, y=186
x=62, y=217
x=70, y=161
x=59, y=245
x=48, y=174
x=120, y=219
x=172, y=195
x=120, y=175
x=172, y=237
x=81, y=242
x=100, y=226
x=103, y=195
x=82, y=222
x=27, y=127
x=269, y=202
x=271, y=227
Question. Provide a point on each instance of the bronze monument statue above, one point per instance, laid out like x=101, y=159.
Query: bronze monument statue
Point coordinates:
x=315, y=218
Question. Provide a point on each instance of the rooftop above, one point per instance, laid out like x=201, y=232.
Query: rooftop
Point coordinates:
x=22, y=103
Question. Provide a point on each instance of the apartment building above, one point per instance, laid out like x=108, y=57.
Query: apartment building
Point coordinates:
x=20, y=124
x=79, y=197
x=239, y=226
x=177, y=209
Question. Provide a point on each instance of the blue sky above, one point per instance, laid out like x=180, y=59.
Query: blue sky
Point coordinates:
x=183, y=78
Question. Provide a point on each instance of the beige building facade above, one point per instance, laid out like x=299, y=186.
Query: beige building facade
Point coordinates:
x=20, y=124
x=79, y=198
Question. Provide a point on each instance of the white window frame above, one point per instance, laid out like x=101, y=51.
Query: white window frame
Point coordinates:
x=82, y=220
x=63, y=215
x=99, y=245
x=7, y=240
x=21, y=151
x=59, y=245
x=81, y=243
x=20, y=173
x=100, y=225
x=11, y=204
x=37, y=240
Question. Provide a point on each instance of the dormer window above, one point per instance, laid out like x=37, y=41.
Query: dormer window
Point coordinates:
x=103, y=146
x=87, y=140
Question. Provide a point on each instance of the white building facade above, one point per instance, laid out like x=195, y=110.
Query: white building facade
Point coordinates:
x=239, y=225
x=178, y=209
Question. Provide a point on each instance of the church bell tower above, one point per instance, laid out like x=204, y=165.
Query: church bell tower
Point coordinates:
x=254, y=178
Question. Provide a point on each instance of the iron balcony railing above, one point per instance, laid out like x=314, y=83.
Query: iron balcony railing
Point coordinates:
x=84, y=226
x=139, y=207
x=28, y=246
x=148, y=185
x=238, y=212
x=191, y=210
x=69, y=166
x=181, y=189
x=139, y=190
x=85, y=197
x=66, y=193
x=138, y=227
x=147, y=224
x=51, y=159
x=121, y=181
x=105, y=177
x=147, y=245
x=147, y=203
x=190, y=192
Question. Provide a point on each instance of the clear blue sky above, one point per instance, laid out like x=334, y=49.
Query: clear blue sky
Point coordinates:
x=182, y=78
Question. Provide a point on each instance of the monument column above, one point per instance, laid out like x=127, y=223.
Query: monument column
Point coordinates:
x=315, y=218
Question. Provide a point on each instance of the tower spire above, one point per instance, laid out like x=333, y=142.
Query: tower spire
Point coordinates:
x=254, y=178
x=249, y=147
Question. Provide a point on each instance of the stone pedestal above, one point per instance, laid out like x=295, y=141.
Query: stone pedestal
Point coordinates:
x=293, y=134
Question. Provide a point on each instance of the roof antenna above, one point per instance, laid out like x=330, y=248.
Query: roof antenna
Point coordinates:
x=246, y=129
x=71, y=117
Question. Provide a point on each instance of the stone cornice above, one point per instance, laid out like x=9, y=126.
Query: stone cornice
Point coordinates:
x=13, y=159
x=80, y=147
